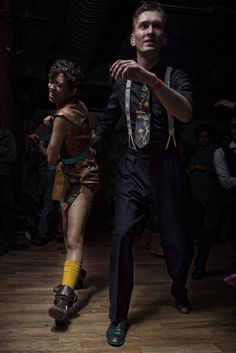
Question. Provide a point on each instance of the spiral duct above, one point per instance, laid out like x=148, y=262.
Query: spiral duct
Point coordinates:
x=85, y=22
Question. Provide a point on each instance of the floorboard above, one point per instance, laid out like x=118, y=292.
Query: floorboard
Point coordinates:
x=27, y=277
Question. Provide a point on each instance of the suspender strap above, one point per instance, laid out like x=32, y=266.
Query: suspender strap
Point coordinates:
x=127, y=111
x=171, y=122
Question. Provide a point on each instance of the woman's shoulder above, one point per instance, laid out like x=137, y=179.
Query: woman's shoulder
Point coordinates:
x=74, y=112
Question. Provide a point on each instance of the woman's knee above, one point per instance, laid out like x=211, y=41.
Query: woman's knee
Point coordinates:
x=74, y=242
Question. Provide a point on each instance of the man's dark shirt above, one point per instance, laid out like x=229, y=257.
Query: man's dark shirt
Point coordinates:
x=159, y=123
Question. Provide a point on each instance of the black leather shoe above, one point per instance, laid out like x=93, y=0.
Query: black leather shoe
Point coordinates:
x=116, y=332
x=183, y=306
x=198, y=274
x=40, y=240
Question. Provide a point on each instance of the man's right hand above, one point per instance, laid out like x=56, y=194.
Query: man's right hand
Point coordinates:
x=225, y=103
x=34, y=138
x=131, y=70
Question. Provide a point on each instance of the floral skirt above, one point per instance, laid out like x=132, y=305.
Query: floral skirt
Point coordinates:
x=81, y=177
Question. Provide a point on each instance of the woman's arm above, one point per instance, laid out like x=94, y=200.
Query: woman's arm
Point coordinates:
x=61, y=128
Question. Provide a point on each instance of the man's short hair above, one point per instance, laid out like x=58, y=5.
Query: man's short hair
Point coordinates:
x=151, y=5
x=70, y=69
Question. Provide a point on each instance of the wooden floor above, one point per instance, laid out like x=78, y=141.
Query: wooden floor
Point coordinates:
x=27, y=277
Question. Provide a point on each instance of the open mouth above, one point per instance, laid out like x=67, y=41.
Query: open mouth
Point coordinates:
x=51, y=95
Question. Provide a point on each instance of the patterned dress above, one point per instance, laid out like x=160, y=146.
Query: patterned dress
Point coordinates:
x=78, y=164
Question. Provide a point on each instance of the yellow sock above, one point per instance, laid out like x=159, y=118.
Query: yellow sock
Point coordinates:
x=71, y=273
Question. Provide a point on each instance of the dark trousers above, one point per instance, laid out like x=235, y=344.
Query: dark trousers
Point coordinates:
x=161, y=181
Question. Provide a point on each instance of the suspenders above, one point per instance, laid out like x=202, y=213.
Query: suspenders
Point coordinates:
x=127, y=110
x=171, y=122
x=171, y=127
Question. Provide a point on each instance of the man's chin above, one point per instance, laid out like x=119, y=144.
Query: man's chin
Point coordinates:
x=150, y=49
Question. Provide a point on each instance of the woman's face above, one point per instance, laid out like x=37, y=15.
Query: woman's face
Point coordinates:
x=59, y=91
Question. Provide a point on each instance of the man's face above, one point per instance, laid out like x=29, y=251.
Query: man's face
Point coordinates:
x=204, y=138
x=59, y=91
x=233, y=129
x=148, y=34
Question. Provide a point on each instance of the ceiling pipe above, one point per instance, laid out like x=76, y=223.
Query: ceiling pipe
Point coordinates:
x=85, y=22
x=208, y=10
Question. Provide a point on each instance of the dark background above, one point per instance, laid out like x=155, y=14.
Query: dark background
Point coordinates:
x=33, y=33
x=201, y=39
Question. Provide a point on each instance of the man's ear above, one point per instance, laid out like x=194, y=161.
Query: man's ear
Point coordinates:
x=132, y=40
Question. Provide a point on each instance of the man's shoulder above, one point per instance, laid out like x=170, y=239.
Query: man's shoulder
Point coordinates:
x=181, y=80
x=179, y=73
x=162, y=67
x=219, y=153
x=227, y=147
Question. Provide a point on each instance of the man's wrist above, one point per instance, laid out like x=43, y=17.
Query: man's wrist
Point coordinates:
x=156, y=84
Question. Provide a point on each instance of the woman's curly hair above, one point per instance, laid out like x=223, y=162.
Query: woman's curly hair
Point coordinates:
x=70, y=69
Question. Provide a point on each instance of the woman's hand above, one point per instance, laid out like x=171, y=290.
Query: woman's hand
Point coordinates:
x=48, y=120
x=34, y=138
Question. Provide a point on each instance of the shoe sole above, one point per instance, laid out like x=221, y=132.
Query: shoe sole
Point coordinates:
x=115, y=344
x=183, y=311
x=57, y=315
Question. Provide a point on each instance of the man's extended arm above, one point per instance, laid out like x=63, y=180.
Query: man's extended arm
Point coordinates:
x=174, y=102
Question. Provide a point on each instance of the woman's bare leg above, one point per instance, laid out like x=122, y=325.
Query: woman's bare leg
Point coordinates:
x=76, y=224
